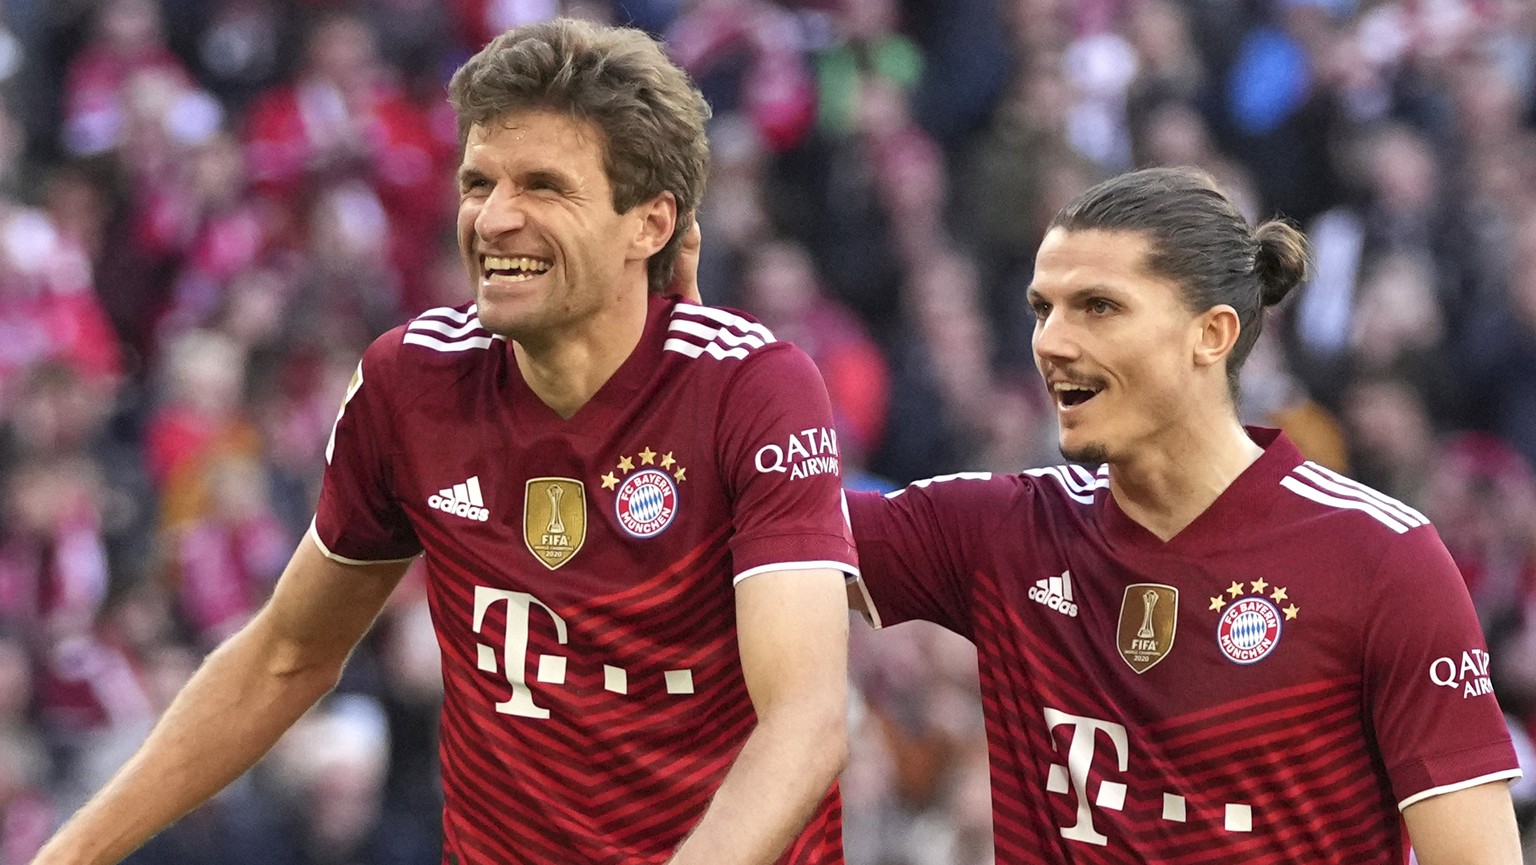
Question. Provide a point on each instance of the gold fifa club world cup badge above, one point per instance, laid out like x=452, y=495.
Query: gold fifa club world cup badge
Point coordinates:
x=554, y=519
x=1149, y=615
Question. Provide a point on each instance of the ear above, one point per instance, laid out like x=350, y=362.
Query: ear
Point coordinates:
x=1216, y=333
x=655, y=221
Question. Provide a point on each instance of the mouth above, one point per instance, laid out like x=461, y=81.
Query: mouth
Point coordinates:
x=1069, y=395
x=514, y=268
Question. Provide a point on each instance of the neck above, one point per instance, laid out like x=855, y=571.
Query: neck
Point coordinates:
x=564, y=369
x=1165, y=486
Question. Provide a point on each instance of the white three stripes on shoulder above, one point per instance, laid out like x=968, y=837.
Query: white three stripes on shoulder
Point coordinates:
x=447, y=329
x=1312, y=481
x=1078, y=482
x=699, y=330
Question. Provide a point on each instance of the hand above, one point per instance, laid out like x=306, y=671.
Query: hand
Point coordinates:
x=685, y=274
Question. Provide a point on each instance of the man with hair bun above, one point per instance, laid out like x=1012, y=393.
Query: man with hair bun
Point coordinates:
x=1200, y=647
x=642, y=618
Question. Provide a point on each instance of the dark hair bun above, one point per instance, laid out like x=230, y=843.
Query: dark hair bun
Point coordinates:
x=1281, y=262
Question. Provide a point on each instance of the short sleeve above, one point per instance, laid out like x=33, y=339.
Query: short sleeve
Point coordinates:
x=1427, y=681
x=913, y=547
x=782, y=467
x=359, y=519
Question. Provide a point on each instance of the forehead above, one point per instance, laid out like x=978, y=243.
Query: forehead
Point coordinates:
x=1069, y=261
x=535, y=133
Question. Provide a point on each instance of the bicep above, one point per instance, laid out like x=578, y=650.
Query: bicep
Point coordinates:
x=792, y=632
x=1463, y=827
x=321, y=608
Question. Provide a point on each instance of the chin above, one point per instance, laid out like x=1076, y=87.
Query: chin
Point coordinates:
x=1090, y=453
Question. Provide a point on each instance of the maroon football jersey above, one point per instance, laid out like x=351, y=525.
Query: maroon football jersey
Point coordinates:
x=581, y=571
x=1270, y=686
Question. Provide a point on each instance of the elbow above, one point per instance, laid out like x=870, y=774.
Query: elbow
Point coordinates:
x=834, y=733
x=318, y=674
x=291, y=665
x=839, y=749
x=830, y=740
x=814, y=734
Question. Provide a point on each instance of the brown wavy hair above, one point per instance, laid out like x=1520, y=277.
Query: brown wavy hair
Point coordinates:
x=650, y=114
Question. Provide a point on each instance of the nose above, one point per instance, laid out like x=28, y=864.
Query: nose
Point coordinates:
x=1053, y=339
x=500, y=213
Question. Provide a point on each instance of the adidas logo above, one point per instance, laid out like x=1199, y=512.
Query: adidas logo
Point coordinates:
x=462, y=500
x=1056, y=593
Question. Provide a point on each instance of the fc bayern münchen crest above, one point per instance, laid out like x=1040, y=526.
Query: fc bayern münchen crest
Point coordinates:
x=646, y=503
x=1248, y=630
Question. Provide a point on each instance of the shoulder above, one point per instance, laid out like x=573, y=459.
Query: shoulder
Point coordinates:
x=441, y=343
x=1068, y=485
x=1321, y=495
x=713, y=335
x=986, y=491
x=738, y=356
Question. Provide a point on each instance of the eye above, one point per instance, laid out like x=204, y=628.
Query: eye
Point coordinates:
x=472, y=185
x=1041, y=309
x=1100, y=306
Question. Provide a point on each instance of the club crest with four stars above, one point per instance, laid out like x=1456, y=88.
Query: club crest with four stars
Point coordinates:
x=1250, y=623
x=646, y=491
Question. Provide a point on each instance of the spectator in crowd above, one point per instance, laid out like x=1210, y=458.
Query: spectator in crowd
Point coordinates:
x=198, y=237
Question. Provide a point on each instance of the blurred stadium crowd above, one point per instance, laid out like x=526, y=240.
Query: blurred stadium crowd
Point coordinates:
x=209, y=207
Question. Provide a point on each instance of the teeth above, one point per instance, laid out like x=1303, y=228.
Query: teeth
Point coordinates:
x=1063, y=387
x=517, y=263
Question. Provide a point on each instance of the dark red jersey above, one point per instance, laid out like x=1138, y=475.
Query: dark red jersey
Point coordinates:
x=1272, y=685
x=581, y=571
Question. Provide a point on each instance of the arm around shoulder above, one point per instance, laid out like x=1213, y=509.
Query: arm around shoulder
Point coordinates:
x=246, y=694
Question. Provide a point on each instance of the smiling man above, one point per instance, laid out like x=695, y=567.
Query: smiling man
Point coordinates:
x=643, y=631
x=1203, y=648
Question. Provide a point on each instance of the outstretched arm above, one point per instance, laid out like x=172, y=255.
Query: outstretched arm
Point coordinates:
x=1475, y=826
x=793, y=634
x=246, y=694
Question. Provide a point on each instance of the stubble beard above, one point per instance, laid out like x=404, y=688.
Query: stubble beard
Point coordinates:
x=1093, y=453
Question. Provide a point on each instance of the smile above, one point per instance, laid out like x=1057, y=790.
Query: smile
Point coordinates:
x=519, y=268
x=1070, y=395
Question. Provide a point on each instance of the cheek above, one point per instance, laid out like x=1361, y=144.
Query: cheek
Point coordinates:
x=468, y=213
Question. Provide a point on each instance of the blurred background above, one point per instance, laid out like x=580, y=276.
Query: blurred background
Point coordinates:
x=209, y=207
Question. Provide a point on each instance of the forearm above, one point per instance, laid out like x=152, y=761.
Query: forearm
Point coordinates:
x=781, y=774
x=232, y=711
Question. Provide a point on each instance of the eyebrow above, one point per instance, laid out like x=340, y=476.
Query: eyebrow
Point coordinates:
x=551, y=176
x=1096, y=289
x=467, y=173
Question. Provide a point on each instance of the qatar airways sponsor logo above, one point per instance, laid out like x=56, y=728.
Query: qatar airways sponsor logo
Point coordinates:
x=1467, y=673
x=811, y=451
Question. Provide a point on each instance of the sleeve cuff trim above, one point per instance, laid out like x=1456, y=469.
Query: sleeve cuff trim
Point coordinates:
x=1503, y=775
x=314, y=535
x=842, y=567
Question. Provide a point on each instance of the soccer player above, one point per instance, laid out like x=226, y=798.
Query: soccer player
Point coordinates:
x=628, y=508
x=1206, y=649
